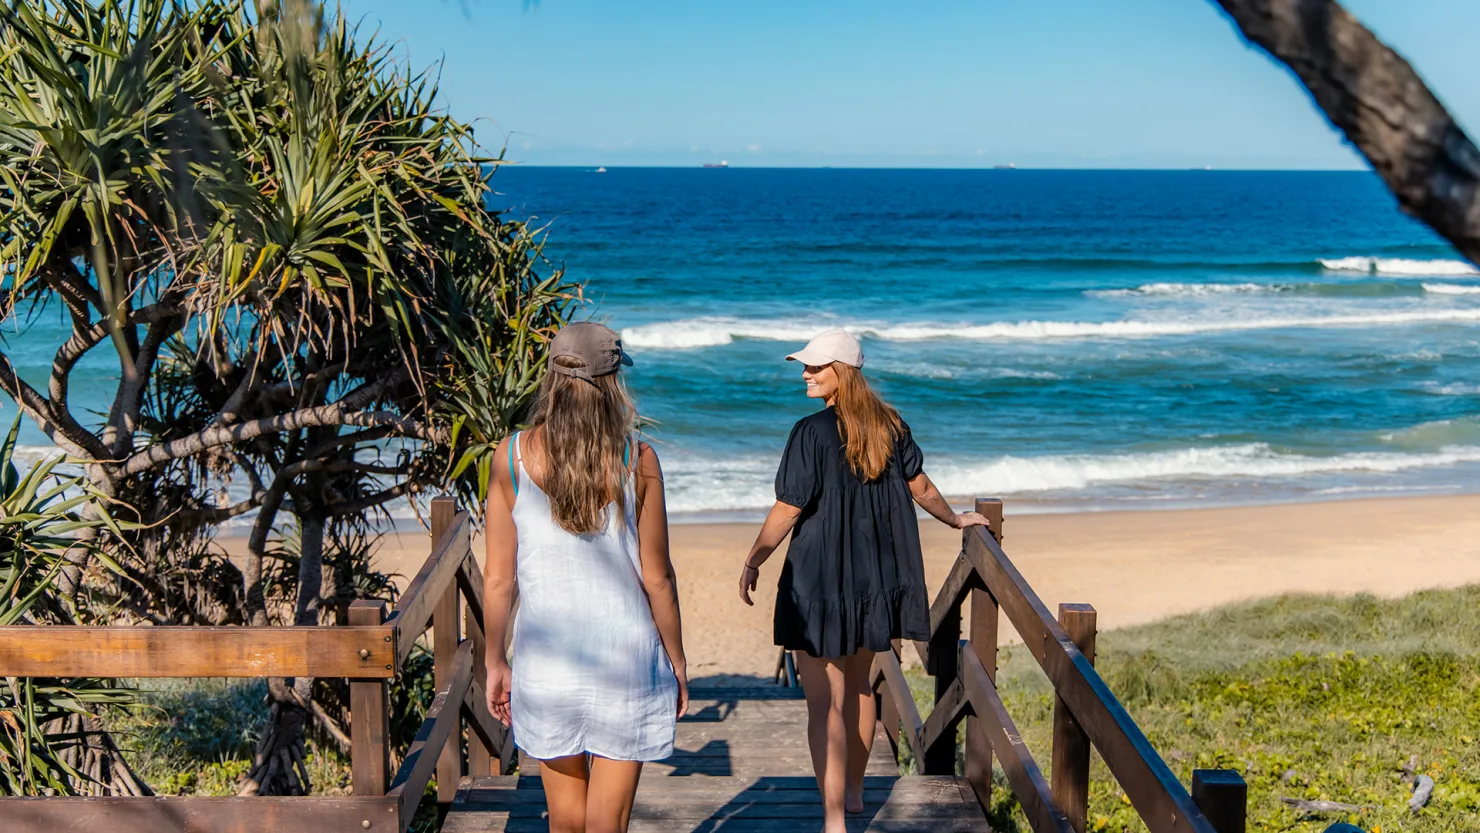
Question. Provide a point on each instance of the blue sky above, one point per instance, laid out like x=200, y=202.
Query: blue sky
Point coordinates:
x=927, y=83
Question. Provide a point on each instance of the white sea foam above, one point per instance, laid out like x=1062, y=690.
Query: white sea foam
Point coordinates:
x=1453, y=389
x=1188, y=289
x=738, y=484
x=714, y=331
x=1451, y=289
x=1400, y=267
x=1256, y=460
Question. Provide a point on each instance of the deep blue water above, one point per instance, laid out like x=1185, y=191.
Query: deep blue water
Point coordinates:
x=1067, y=339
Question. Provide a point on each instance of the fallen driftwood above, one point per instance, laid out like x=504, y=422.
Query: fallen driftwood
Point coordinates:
x=1305, y=806
x=1423, y=787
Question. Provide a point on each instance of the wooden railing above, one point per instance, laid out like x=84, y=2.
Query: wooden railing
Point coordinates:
x=368, y=652
x=1086, y=713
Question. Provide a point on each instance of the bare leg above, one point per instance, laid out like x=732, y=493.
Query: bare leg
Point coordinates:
x=858, y=717
x=609, y=798
x=566, y=781
x=827, y=737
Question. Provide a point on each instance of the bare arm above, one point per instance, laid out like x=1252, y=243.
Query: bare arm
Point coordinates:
x=779, y=523
x=502, y=542
x=929, y=498
x=658, y=577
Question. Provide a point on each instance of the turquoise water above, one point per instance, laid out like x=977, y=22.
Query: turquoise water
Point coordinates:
x=1064, y=339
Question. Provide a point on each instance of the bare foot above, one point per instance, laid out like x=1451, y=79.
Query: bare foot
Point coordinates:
x=853, y=804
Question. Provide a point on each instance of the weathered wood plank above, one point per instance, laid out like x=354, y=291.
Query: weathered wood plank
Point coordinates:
x=982, y=636
x=749, y=783
x=442, y=718
x=487, y=732
x=446, y=634
x=362, y=652
x=943, y=793
x=854, y=825
x=414, y=608
x=886, y=664
x=1159, y=798
x=942, y=721
x=369, y=702
x=195, y=814
x=1028, y=784
x=1071, y=747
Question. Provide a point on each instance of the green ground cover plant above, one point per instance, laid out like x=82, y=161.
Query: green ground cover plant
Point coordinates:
x=1308, y=697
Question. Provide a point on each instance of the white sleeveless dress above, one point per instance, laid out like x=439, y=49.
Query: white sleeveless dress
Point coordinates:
x=590, y=673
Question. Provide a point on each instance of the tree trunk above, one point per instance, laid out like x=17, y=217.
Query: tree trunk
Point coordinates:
x=278, y=766
x=1382, y=106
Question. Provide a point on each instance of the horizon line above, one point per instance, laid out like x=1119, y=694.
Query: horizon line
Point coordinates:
x=993, y=168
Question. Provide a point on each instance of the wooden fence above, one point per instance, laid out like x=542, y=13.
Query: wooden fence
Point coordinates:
x=368, y=652
x=1086, y=713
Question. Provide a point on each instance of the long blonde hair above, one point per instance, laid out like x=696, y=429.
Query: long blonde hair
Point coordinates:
x=866, y=423
x=587, y=426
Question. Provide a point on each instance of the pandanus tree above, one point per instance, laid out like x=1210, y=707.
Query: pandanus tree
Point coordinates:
x=52, y=741
x=287, y=250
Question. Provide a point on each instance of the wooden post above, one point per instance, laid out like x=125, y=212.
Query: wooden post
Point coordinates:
x=445, y=637
x=480, y=757
x=983, y=636
x=1071, y=745
x=1223, y=797
x=945, y=667
x=369, y=726
x=887, y=711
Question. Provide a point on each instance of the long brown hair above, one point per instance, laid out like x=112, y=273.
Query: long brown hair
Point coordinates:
x=586, y=430
x=866, y=423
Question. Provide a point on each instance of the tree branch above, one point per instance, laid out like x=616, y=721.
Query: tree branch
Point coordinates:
x=1383, y=107
x=131, y=397
x=341, y=412
x=361, y=504
x=35, y=407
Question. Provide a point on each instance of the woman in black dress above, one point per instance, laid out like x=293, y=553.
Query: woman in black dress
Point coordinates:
x=854, y=579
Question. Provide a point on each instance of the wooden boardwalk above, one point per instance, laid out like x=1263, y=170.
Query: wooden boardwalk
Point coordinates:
x=740, y=765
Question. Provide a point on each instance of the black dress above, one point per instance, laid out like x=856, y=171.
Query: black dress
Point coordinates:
x=854, y=577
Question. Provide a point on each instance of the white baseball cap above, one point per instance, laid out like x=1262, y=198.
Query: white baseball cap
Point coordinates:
x=830, y=346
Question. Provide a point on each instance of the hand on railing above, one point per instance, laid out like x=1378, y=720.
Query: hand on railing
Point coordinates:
x=965, y=519
x=499, y=677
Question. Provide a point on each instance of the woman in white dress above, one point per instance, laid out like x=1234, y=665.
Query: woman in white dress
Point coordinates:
x=596, y=681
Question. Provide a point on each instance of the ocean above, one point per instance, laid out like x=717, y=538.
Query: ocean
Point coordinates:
x=1066, y=340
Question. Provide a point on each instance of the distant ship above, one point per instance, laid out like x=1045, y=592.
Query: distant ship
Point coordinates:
x=599, y=171
x=1008, y=167
x=722, y=164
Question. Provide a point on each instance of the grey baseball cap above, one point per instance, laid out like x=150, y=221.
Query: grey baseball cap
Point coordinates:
x=597, y=346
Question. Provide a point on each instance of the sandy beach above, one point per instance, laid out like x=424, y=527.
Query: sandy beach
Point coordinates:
x=1132, y=566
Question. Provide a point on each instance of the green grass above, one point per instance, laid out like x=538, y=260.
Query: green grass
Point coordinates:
x=1308, y=697
x=196, y=737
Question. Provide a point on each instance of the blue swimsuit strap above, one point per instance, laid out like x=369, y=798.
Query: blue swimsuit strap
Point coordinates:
x=513, y=474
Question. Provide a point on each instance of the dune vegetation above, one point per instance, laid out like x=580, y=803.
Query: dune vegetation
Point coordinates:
x=1310, y=698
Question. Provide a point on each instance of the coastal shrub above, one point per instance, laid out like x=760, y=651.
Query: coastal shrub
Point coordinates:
x=274, y=230
x=50, y=738
x=1352, y=726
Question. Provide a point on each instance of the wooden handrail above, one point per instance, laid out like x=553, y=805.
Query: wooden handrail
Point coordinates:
x=200, y=814
x=1027, y=780
x=1086, y=711
x=1159, y=798
x=414, y=609
x=435, y=732
x=886, y=670
x=365, y=652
